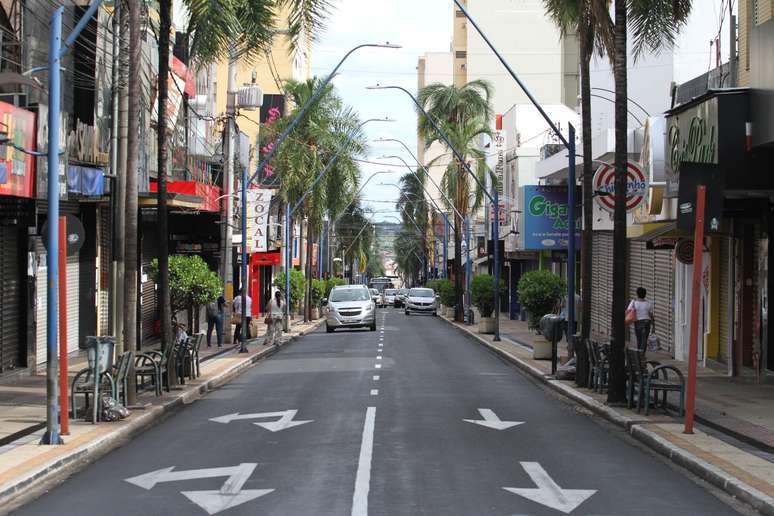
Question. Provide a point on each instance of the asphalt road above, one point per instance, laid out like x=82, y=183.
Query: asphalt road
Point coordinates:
x=386, y=436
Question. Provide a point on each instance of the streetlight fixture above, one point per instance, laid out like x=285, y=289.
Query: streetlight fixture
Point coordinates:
x=494, y=197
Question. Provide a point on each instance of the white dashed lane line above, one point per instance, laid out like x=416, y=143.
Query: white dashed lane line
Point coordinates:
x=376, y=377
x=378, y=366
x=374, y=392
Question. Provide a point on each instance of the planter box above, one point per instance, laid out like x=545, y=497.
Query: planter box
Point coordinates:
x=486, y=325
x=541, y=350
x=315, y=314
x=449, y=312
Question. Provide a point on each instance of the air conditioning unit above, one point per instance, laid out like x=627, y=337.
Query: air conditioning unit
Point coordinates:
x=250, y=97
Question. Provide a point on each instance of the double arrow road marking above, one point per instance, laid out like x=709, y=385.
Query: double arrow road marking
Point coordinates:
x=284, y=422
x=229, y=495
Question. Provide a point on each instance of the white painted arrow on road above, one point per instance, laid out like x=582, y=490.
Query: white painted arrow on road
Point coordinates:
x=548, y=493
x=285, y=420
x=492, y=421
x=212, y=501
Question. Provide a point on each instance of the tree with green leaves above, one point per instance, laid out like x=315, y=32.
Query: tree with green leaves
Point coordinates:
x=329, y=131
x=219, y=29
x=590, y=20
x=654, y=25
x=463, y=114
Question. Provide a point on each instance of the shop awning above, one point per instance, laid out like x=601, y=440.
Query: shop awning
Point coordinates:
x=174, y=200
x=656, y=234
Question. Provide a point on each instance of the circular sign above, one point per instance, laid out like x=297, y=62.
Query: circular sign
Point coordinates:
x=636, y=186
x=76, y=234
x=684, y=251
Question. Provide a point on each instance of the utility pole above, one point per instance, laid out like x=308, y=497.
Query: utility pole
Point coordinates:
x=118, y=169
x=228, y=192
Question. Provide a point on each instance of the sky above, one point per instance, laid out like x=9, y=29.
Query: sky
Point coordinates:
x=419, y=26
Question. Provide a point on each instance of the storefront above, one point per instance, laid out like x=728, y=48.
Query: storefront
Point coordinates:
x=16, y=191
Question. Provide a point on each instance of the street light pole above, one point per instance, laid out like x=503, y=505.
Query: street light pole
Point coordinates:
x=56, y=51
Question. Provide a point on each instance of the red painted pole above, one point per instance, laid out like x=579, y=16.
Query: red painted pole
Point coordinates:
x=64, y=399
x=698, y=248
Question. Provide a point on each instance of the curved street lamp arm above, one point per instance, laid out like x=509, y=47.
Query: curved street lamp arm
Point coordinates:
x=315, y=96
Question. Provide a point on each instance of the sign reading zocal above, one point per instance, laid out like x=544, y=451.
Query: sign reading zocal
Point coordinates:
x=258, y=201
x=636, y=186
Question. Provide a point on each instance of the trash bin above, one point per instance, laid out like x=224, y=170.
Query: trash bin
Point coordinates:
x=552, y=328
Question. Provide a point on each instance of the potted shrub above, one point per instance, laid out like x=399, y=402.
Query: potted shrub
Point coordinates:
x=446, y=292
x=482, y=291
x=540, y=292
x=319, y=287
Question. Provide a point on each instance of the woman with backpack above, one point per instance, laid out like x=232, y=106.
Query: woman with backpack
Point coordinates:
x=640, y=312
x=215, y=312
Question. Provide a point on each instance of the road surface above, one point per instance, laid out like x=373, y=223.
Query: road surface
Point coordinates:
x=413, y=419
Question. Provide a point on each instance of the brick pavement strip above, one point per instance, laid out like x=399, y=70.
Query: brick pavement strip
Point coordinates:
x=733, y=470
x=29, y=468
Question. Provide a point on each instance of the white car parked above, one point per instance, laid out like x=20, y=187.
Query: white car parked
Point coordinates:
x=421, y=300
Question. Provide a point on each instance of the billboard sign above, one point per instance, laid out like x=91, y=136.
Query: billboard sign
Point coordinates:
x=545, y=219
x=16, y=167
x=258, y=201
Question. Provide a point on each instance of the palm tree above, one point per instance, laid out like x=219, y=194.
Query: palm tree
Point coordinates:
x=329, y=129
x=590, y=19
x=654, y=25
x=414, y=211
x=463, y=114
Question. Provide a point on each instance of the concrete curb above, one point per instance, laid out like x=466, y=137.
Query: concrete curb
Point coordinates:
x=14, y=492
x=637, y=428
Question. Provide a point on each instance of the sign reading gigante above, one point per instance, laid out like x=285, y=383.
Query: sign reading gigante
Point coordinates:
x=692, y=137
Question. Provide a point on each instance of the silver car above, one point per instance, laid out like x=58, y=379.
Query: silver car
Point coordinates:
x=388, y=296
x=350, y=306
x=421, y=300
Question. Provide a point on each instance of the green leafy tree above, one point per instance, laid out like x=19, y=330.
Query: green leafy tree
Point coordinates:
x=332, y=282
x=191, y=282
x=446, y=291
x=318, y=291
x=297, y=287
x=590, y=20
x=654, y=25
x=463, y=114
x=482, y=292
x=540, y=292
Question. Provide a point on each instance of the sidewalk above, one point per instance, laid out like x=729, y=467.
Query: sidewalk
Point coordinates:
x=744, y=411
x=25, y=464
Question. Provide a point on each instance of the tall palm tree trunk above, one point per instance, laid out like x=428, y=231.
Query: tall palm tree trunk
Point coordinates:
x=165, y=22
x=587, y=236
x=301, y=254
x=617, y=389
x=460, y=199
x=130, y=220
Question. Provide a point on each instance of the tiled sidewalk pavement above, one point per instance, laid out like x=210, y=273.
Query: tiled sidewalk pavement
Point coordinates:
x=24, y=463
x=745, y=475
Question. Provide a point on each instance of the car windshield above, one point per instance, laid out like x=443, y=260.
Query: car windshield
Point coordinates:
x=403, y=291
x=350, y=294
x=389, y=292
x=421, y=292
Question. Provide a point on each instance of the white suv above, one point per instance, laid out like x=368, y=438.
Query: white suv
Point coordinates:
x=350, y=306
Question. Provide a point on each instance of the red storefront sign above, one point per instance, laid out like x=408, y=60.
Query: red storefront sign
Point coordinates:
x=17, y=168
x=208, y=193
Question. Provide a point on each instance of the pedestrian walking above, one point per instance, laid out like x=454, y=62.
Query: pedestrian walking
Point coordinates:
x=237, y=317
x=274, y=320
x=215, y=313
x=641, y=310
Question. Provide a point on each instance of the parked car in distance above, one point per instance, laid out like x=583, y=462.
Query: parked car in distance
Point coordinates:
x=400, y=297
x=376, y=297
x=349, y=306
x=388, y=296
x=421, y=300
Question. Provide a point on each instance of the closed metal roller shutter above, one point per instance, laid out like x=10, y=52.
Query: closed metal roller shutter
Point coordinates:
x=726, y=299
x=149, y=305
x=73, y=305
x=103, y=273
x=11, y=298
x=602, y=285
x=663, y=298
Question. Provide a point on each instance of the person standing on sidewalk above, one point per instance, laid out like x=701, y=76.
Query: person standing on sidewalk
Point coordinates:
x=237, y=315
x=643, y=322
x=274, y=320
x=215, y=313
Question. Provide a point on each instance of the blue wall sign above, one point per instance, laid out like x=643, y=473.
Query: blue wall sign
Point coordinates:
x=545, y=217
